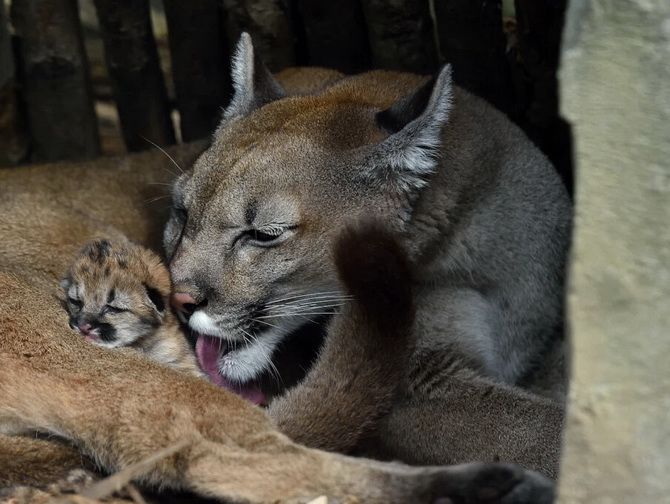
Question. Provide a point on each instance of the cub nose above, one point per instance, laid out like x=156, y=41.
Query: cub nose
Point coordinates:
x=186, y=304
x=85, y=328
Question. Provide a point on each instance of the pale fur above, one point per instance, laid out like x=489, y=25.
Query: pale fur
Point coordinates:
x=119, y=408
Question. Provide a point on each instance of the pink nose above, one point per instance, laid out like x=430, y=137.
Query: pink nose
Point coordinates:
x=183, y=302
x=85, y=328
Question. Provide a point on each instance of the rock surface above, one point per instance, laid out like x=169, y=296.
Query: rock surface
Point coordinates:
x=614, y=86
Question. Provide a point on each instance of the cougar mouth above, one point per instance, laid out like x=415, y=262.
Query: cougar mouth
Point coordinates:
x=237, y=365
x=259, y=369
x=241, y=363
x=210, y=351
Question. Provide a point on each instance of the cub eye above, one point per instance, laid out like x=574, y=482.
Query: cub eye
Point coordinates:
x=113, y=309
x=75, y=302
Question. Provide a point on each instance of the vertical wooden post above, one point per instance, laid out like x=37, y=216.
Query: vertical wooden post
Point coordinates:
x=539, y=27
x=13, y=146
x=472, y=40
x=269, y=24
x=335, y=34
x=200, y=63
x=401, y=35
x=56, y=88
x=135, y=72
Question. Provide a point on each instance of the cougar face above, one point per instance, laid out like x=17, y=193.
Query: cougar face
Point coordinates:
x=249, y=237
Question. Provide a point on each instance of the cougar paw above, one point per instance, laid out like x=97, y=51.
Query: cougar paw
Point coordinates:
x=493, y=484
x=374, y=268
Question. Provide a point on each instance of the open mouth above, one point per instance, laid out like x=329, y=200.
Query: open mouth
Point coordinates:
x=209, y=350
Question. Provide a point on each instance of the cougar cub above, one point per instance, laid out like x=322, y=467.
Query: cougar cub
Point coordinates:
x=116, y=293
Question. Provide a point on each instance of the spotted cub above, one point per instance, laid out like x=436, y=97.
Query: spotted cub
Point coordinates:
x=116, y=293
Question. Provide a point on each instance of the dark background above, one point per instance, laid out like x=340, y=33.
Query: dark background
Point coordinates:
x=78, y=80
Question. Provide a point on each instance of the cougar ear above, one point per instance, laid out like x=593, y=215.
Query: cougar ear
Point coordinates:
x=411, y=153
x=253, y=84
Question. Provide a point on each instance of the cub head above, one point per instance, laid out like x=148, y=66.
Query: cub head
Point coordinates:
x=250, y=233
x=116, y=292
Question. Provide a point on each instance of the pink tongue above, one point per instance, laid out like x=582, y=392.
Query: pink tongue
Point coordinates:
x=207, y=351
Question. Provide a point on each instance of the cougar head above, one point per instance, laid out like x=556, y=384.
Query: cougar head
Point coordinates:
x=250, y=232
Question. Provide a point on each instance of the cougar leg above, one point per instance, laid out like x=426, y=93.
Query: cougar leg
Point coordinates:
x=494, y=422
x=233, y=451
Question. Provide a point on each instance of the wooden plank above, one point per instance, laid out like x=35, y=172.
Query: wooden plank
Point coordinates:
x=269, y=24
x=13, y=145
x=401, y=35
x=135, y=73
x=471, y=39
x=55, y=83
x=335, y=34
x=200, y=64
x=539, y=26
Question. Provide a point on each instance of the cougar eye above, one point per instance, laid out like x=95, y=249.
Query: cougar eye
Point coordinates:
x=264, y=237
x=75, y=302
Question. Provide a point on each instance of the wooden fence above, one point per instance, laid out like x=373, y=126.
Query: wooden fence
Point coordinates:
x=46, y=102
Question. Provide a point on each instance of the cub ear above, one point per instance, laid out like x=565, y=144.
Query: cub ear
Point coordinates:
x=156, y=298
x=411, y=153
x=253, y=84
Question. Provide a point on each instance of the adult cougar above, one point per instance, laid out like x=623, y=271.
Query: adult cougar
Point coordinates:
x=483, y=214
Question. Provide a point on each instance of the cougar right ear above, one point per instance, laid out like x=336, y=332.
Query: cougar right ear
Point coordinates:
x=253, y=84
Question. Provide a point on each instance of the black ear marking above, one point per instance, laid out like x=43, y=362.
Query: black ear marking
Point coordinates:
x=405, y=110
x=156, y=298
x=410, y=154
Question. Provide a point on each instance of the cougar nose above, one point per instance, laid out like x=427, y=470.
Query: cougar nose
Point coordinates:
x=186, y=304
x=85, y=328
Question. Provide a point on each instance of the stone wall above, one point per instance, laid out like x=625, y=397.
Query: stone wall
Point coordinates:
x=615, y=85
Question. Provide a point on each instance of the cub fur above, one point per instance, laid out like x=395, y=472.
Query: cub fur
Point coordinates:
x=117, y=295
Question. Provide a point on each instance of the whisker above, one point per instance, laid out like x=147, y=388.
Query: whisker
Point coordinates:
x=275, y=374
x=320, y=302
x=251, y=337
x=308, y=303
x=158, y=198
x=164, y=152
x=266, y=323
x=310, y=306
x=284, y=315
x=305, y=295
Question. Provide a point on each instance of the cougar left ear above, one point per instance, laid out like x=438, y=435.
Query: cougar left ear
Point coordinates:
x=411, y=153
x=253, y=84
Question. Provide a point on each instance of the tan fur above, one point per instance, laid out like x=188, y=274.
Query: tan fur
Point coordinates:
x=119, y=408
